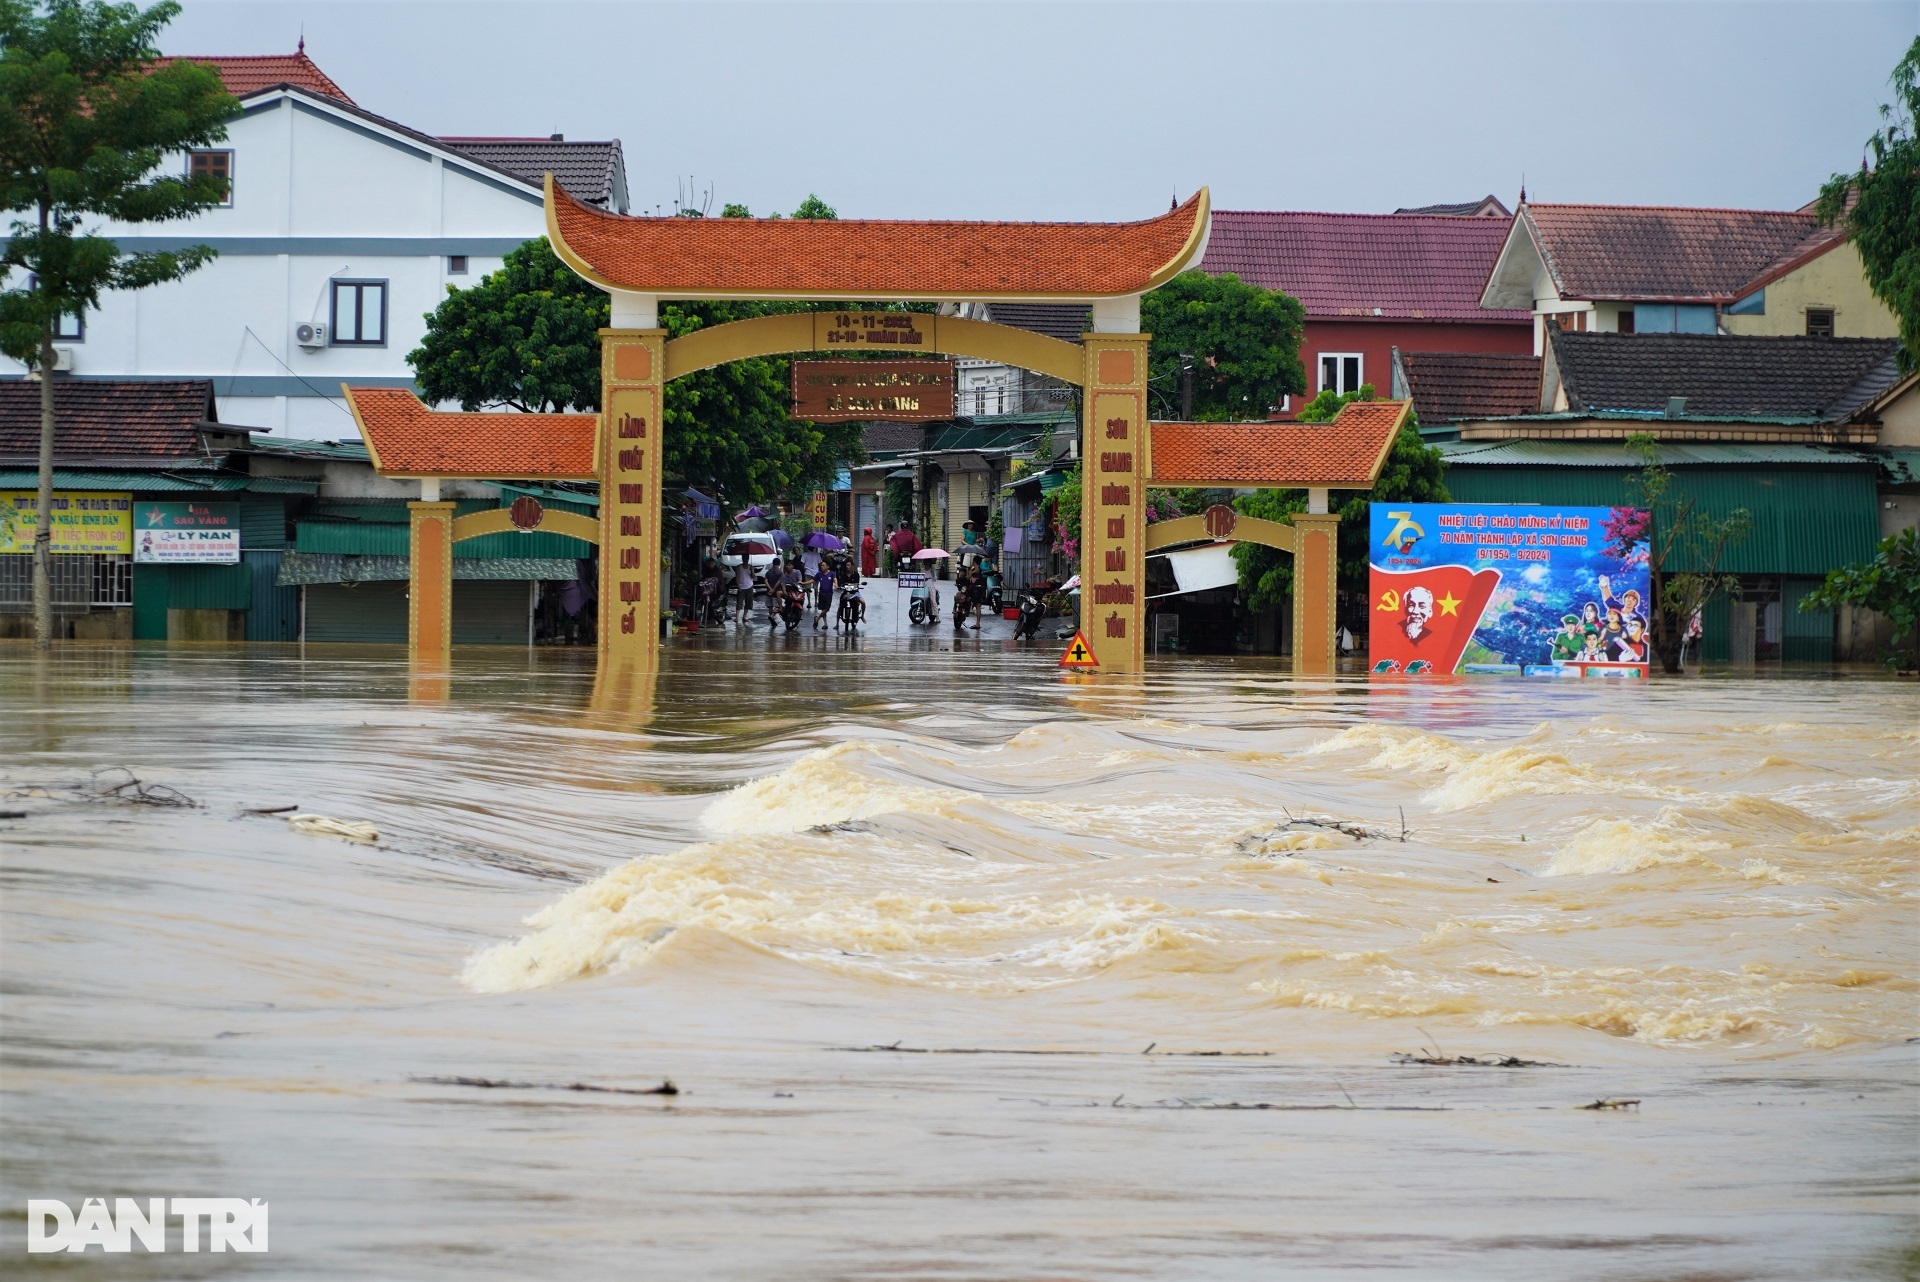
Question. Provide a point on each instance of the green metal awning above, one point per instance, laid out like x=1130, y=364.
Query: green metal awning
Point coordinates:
x=298, y=568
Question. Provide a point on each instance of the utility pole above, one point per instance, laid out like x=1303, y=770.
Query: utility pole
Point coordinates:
x=1186, y=387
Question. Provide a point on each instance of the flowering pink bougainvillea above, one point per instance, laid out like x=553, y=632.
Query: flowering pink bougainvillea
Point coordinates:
x=1627, y=532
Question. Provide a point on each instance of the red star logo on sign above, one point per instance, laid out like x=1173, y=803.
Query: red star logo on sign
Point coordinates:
x=1079, y=654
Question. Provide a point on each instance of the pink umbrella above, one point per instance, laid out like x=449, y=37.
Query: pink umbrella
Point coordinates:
x=931, y=554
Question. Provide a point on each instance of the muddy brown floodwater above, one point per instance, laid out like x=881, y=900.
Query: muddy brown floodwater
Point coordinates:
x=962, y=970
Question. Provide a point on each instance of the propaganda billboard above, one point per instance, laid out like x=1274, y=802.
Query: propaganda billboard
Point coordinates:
x=1539, y=590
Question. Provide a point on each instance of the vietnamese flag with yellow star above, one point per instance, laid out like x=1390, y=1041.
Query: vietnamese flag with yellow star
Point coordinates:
x=1427, y=614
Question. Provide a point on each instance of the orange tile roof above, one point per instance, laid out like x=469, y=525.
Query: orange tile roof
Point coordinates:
x=250, y=73
x=871, y=259
x=406, y=438
x=1344, y=454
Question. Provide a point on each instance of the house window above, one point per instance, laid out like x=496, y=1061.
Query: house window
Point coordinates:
x=213, y=164
x=359, y=313
x=66, y=329
x=1623, y=323
x=1569, y=322
x=1669, y=318
x=1340, y=372
x=456, y=265
x=1819, y=322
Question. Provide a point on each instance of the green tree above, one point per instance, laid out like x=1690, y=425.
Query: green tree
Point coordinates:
x=1890, y=584
x=1413, y=473
x=1880, y=206
x=816, y=209
x=1681, y=534
x=1241, y=341
x=527, y=337
x=88, y=111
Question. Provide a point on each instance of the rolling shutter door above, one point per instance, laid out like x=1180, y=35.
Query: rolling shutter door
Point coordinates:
x=358, y=612
x=488, y=612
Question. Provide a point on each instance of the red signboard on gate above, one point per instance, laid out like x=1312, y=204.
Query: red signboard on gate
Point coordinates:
x=896, y=391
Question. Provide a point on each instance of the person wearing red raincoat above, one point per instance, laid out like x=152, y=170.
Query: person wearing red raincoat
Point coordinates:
x=869, y=554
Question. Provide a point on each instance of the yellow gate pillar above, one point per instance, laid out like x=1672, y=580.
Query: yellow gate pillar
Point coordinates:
x=1316, y=542
x=1113, y=474
x=429, y=582
x=633, y=370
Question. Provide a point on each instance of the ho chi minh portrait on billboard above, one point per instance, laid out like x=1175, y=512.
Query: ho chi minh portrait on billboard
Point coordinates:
x=1540, y=590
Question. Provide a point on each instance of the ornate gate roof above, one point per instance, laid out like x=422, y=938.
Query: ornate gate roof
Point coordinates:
x=862, y=260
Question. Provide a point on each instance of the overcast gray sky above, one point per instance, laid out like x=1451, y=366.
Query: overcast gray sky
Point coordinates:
x=1096, y=110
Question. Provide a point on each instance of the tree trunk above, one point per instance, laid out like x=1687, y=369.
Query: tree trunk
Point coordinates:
x=43, y=531
x=1670, y=646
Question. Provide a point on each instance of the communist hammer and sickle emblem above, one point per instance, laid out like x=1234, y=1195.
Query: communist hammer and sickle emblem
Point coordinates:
x=1403, y=521
x=1389, y=600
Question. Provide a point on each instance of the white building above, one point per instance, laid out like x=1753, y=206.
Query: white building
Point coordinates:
x=342, y=231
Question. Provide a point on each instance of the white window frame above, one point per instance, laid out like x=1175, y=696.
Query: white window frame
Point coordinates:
x=1360, y=367
x=334, y=329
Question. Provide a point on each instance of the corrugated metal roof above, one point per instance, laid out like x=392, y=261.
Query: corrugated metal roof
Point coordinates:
x=1900, y=467
x=1617, y=454
x=72, y=478
x=354, y=450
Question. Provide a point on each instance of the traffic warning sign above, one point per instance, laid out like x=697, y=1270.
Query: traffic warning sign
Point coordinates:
x=1079, y=654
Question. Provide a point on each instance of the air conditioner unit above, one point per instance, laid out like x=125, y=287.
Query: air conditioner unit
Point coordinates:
x=63, y=360
x=310, y=334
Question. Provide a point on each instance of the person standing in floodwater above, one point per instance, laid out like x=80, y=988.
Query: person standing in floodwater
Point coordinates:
x=822, y=593
x=869, y=554
x=775, y=578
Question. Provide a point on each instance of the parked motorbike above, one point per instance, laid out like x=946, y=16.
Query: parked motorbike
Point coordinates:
x=1032, y=610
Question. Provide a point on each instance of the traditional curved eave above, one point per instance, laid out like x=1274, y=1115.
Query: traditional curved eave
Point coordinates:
x=872, y=260
x=1346, y=453
x=405, y=438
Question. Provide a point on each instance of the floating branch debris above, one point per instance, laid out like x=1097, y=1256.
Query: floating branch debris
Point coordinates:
x=1437, y=1060
x=666, y=1086
x=1608, y=1105
x=1251, y=843
x=115, y=783
x=1002, y=1050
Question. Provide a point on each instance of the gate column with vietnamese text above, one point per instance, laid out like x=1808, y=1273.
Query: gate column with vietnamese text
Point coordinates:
x=632, y=374
x=430, y=582
x=1114, y=466
x=1316, y=543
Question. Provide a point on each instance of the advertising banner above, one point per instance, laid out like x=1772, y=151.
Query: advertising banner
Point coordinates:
x=177, y=533
x=1540, y=590
x=83, y=521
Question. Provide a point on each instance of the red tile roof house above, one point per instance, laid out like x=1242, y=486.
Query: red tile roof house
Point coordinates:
x=1623, y=269
x=1372, y=283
